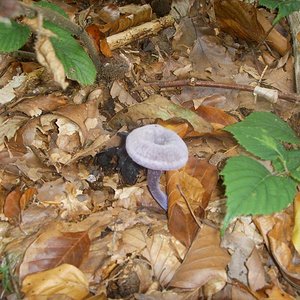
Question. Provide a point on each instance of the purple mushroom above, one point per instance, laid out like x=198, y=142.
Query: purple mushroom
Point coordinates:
x=158, y=149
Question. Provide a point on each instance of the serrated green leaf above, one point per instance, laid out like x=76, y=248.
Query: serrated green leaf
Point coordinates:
x=251, y=189
x=51, y=6
x=261, y=133
x=271, y=4
x=77, y=64
x=13, y=36
x=285, y=7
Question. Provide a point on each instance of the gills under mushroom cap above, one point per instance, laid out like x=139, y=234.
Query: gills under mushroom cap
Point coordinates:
x=157, y=148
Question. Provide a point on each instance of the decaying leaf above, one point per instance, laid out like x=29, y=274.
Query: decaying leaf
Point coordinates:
x=196, y=181
x=64, y=280
x=158, y=107
x=12, y=209
x=158, y=249
x=277, y=230
x=205, y=262
x=53, y=248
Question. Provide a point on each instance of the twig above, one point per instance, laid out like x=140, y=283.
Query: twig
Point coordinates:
x=56, y=18
x=290, y=97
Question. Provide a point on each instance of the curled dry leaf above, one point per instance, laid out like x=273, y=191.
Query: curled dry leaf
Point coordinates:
x=46, y=57
x=53, y=248
x=205, y=262
x=64, y=280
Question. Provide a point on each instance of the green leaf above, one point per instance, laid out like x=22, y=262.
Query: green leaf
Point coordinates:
x=51, y=6
x=261, y=133
x=13, y=36
x=77, y=64
x=291, y=163
x=251, y=189
x=285, y=7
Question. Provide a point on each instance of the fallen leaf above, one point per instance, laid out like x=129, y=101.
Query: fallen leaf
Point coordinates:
x=215, y=115
x=53, y=248
x=296, y=230
x=158, y=107
x=257, y=274
x=197, y=180
x=205, y=261
x=239, y=19
x=64, y=280
x=46, y=57
x=181, y=222
x=160, y=250
x=12, y=209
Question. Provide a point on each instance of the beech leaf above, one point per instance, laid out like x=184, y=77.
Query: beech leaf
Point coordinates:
x=205, y=262
x=53, y=248
x=63, y=280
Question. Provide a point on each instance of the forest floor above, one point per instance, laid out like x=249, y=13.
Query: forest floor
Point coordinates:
x=77, y=220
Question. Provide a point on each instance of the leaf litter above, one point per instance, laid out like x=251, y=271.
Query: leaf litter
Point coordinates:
x=71, y=224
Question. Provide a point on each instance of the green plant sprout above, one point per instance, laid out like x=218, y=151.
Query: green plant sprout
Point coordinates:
x=5, y=277
x=76, y=62
x=251, y=188
x=285, y=7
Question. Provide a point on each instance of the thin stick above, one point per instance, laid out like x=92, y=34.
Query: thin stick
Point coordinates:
x=291, y=97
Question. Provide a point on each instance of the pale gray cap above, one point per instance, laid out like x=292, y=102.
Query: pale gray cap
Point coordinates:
x=157, y=148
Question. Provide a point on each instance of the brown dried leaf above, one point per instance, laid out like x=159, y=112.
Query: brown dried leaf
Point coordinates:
x=12, y=209
x=34, y=106
x=256, y=275
x=205, y=262
x=277, y=231
x=197, y=181
x=215, y=115
x=26, y=197
x=278, y=294
x=155, y=107
x=53, y=248
x=64, y=280
x=160, y=250
x=239, y=19
x=181, y=222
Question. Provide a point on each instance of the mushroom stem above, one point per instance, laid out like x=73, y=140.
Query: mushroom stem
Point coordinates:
x=153, y=177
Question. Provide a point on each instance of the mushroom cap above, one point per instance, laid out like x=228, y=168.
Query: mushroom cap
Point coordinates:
x=157, y=148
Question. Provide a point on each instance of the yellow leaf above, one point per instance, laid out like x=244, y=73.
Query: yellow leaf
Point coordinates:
x=62, y=280
x=296, y=231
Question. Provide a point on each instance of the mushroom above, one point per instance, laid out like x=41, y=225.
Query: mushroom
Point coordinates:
x=158, y=149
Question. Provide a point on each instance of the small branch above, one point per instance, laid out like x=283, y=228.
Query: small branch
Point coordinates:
x=56, y=18
x=290, y=97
